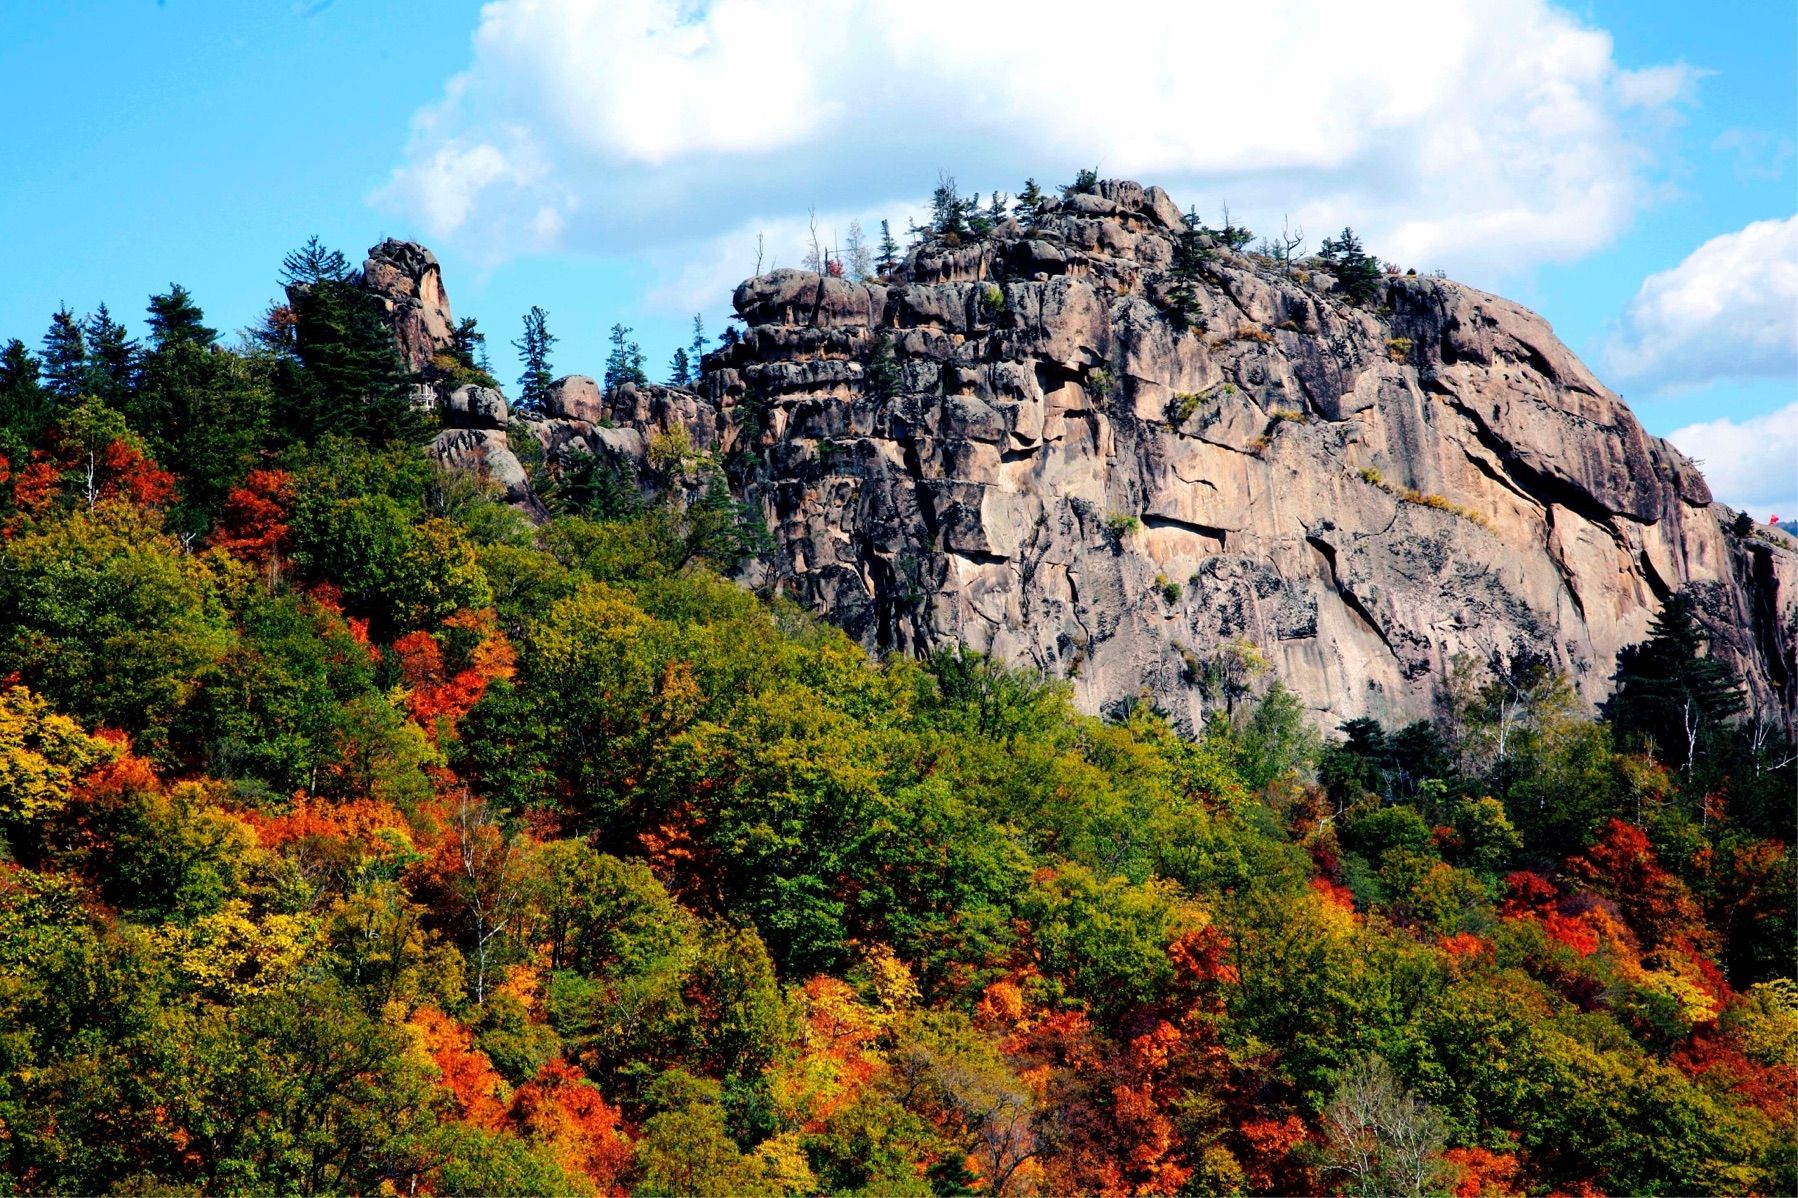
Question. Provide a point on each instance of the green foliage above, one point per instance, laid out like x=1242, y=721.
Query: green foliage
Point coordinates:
x=533, y=347
x=624, y=364
x=418, y=848
x=1086, y=182
x=1357, y=272
x=110, y=618
x=1670, y=695
x=354, y=382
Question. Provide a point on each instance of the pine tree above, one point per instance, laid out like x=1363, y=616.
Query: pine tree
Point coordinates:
x=1190, y=256
x=1357, y=271
x=354, y=381
x=1029, y=205
x=625, y=363
x=65, y=356
x=469, y=345
x=314, y=263
x=696, y=348
x=25, y=404
x=950, y=214
x=1085, y=183
x=680, y=369
x=175, y=317
x=534, y=347
x=111, y=358
x=1669, y=692
x=888, y=261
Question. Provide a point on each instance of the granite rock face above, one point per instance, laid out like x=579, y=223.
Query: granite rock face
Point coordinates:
x=409, y=282
x=1017, y=444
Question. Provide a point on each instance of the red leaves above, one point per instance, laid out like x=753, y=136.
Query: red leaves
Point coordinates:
x=254, y=523
x=437, y=697
x=126, y=472
x=1272, y=1164
x=115, y=471
x=1621, y=865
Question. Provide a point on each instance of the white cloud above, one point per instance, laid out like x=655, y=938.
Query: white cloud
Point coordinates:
x=1485, y=136
x=1729, y=311
x=1751, y=464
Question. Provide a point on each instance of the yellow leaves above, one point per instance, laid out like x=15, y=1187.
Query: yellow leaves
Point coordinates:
x=231, y=957
x=780, y=1166
x=1765, y=1022
x=41, y=755
x=894, y=985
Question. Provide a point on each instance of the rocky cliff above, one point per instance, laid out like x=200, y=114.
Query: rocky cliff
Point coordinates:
x=1028, y=444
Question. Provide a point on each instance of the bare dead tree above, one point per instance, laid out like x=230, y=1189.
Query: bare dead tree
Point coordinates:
x=1385, y=1139
x=760, y=239
x=816, y=257
x=1290, y=242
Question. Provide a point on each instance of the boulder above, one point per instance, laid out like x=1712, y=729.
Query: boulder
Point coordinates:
x=574, y=397
x=472, y=406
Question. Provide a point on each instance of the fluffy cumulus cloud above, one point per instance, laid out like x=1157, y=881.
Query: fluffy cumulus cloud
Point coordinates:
x=1751, y=464
x=1729, y=311
x=1484, y=136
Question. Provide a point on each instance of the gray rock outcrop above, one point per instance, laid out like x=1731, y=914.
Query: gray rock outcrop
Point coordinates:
x=1020, y=443
x=1016, y=445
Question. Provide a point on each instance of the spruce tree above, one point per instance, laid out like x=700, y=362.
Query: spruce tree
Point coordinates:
x=354, y=381
x=65, y=356
x=534, y=347
x=680, y=369
x=468, y=345
x=1670, y=693
x=888, y=261
x=111, y=358
x=696, y=348
x=1356, y=270
x=1085, y=183
x=25, y=403
x=625, y=363
x=950, y=213
x=1190, y=256
x=1029, y=205
x=175, y=317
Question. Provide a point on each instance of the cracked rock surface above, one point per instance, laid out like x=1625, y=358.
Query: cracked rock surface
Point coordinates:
x=1015, y=444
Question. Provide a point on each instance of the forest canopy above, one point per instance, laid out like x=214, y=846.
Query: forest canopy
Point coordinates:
x=360, y=834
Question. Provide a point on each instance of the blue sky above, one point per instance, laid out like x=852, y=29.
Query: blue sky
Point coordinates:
x=1624, y=168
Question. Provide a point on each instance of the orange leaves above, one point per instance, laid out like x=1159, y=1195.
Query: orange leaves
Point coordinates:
x=1201, y=964
x=1463, y=946
x=480, y=1095
x=1334, y=894
x=564, y=1112
x=1272, y=1165
x=366, y=822
x=254, y=523
x=837, y=1058
x=437, y=696
x=116, y=470
x=36, y=487
x=1483, y=1173
x=1576, y=932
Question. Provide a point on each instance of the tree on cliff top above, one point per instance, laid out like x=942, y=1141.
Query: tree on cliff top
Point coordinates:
x=355, y=381
x=534, y=346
